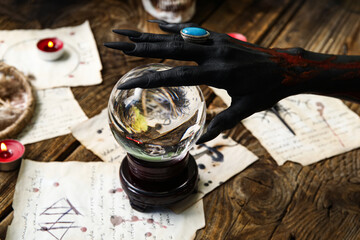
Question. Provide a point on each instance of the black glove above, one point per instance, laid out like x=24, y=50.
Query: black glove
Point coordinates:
x=253, y=76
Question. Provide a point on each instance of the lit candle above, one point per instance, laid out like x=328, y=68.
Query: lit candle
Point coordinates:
x=11, y=153
x=5, y=153
x=50, y=49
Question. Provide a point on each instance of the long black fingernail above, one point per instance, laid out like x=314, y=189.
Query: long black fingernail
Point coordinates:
x=157, y=21
x=202, y=139
x=207, y=136
x=127, y=85
x=123, y=46
x=126, y=32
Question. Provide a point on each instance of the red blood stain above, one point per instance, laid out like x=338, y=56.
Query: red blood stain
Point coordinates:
x=56, y=184
x=83, y=229
x=148, y=234
x=35, y=189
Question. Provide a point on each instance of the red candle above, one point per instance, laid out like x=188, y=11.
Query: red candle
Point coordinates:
x=11, y=153
x=238, y=36
x=50, y=49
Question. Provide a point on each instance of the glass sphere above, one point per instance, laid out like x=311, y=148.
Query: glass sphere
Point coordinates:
x=157, y=124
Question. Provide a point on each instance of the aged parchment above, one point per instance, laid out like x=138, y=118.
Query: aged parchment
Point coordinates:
x=84, y=201
x=56, y=111
x=79, y=66
x=324, y=127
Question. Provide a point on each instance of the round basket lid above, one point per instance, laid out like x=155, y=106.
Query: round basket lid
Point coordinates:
x=17, y=102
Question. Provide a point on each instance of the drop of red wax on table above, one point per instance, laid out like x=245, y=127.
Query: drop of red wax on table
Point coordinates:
x=238, y=36
x=148, y=234
x=83, y=229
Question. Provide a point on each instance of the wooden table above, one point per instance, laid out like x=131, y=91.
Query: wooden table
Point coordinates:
x=321, y=201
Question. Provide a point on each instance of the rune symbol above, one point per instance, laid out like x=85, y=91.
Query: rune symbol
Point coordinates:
x=61, y=215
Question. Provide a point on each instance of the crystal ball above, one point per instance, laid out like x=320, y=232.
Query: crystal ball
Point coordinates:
x=156, y=124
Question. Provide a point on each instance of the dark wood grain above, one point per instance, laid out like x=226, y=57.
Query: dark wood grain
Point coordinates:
x=291, y=201
x=266, y=201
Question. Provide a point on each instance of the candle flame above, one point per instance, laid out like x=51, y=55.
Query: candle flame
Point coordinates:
x=3, y=147
x=50, y=44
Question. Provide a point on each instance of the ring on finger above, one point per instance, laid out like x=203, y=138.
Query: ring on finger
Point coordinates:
x=194, y=34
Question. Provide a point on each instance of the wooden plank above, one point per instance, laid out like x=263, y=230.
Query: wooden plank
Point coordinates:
x=4, y=225
x=317, y=201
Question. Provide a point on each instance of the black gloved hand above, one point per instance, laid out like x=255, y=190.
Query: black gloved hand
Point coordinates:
x=252, y=75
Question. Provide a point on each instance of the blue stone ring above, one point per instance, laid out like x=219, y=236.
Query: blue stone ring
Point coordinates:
x=194, y=34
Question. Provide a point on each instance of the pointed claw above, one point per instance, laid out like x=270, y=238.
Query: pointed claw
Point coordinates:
x=123, y=46
x=157, y=21
x=128, y=33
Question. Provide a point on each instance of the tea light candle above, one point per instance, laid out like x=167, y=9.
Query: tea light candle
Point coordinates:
x=11, y=153
x=50, y=49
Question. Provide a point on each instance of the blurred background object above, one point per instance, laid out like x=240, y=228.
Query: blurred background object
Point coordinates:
x=172, y=11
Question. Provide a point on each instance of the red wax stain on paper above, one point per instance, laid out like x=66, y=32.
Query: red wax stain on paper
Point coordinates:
x=238, y=36
x=116, y=220
x=56, y=184
x=148, y=234
x=82, y=62
x=2, y=41
x=116, y=190
x=35, y=190
x=71, y=76
x=151, y=221
x=83, y=229
x=320, y=109
x=72, y=33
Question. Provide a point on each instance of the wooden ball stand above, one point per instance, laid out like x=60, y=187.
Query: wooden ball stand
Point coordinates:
x=151, y=185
